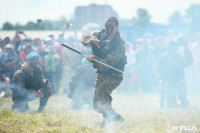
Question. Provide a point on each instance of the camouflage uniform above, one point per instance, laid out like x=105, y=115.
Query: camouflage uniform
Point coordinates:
x=80, y=86
x=111, y=52
x=25, y=84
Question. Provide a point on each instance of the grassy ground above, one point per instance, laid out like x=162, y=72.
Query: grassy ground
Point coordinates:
x=141, y=113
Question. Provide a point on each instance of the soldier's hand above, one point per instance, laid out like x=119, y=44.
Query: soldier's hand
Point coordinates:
x=90, y=58
x=96, y=42
x=40, y=93
x=48, y=85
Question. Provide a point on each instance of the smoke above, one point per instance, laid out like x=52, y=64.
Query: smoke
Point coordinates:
x=140, y=111
x=138, y=97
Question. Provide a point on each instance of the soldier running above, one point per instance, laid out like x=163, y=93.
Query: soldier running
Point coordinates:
x=109, y=48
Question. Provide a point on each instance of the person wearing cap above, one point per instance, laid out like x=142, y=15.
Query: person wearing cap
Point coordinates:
x=23, y=54
x=81, y=85
x=17, y=40
x=9, y=61
x=4, y=42
x=30, y=84
x=52, y=37
x=109, y=48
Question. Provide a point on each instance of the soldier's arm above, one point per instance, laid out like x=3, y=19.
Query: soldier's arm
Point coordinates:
x=40, y=77
x=19, y=79
x=44, y=85
x=87, y=39
x=19, y=83
x=112, y=58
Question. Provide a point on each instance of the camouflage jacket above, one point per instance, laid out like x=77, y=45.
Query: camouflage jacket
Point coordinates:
x=111, y=52
x=25, y=81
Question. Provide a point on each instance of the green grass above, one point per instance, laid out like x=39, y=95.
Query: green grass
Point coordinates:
x=141, y=113
x=40, y=122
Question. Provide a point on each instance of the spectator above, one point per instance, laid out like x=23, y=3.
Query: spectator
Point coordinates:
x=9, y=61
x=17, y=40
x=4, y=85
x=50, y=64
x=23, y=54
x=4, y=42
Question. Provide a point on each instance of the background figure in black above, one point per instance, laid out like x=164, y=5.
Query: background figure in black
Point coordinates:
x=82, y=84
x=172, y=79
x=29, y=85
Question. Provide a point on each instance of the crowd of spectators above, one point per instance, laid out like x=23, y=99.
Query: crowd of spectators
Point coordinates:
x=57, y=63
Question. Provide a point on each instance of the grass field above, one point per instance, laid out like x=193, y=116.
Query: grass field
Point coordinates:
x=141, y=112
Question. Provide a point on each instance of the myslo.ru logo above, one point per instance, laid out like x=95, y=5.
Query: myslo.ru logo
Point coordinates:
x=184, y=128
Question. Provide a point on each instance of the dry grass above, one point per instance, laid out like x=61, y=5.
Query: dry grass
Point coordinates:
x=141, y=113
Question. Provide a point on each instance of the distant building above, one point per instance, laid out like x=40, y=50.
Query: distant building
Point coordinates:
x=93, y=14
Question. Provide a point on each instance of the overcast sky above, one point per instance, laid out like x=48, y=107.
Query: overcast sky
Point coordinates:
x=23, y=11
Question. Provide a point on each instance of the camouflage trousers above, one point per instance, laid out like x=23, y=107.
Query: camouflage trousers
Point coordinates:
x=104, y=86
x=21, y=97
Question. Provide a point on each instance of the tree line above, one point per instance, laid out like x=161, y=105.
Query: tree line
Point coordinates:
x=38, y=24
x=190, y=19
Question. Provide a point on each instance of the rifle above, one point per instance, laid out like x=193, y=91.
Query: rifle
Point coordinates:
x=76, y=51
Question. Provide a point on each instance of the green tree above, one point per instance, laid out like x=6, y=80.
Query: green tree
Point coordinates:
x=7, y=26
x=46, y=25
x=30, y=26
x=59, y=24
x=19, y=27
x=176, y=19
x=142, y=19
x=43, y=25
x=193, y=15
